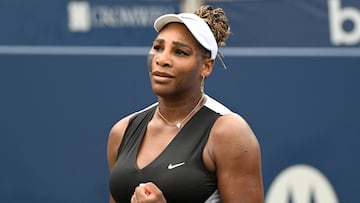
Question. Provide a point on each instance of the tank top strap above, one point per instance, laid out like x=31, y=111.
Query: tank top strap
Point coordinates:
x=137, y=126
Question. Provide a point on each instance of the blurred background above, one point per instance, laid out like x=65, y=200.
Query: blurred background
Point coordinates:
x=69, y=70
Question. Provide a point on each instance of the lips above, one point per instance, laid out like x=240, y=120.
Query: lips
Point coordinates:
x=159, y=77
x=162, y=74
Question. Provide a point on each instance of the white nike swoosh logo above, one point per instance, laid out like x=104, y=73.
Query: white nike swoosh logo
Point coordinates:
x=172, y=166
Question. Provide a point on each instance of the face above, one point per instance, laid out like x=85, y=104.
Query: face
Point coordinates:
x=177, y=62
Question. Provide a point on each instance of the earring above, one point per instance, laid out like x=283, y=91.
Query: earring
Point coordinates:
x=202, y=84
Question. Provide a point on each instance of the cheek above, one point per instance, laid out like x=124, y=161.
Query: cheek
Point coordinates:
x=149, y=61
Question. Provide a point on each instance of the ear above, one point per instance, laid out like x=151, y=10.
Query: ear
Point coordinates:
x=207, y=67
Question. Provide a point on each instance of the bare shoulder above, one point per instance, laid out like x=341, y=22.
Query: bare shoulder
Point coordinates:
x=118, y=129
x=232, y=138
x=114, y=139
x=235, y=153
x=231, y=128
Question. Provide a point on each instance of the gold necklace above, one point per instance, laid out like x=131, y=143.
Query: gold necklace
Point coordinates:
x=179, y=124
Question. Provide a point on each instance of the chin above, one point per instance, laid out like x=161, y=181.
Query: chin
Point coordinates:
x=163, y=92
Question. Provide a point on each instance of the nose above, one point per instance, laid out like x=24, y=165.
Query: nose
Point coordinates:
x=163, y=60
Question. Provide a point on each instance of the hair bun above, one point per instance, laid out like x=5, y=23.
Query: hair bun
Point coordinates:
x=217, y=21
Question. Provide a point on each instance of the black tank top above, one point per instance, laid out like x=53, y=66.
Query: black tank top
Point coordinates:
x=179, y=171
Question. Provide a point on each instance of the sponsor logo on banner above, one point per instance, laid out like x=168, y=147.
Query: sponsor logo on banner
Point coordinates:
x=338, y=17
x=82, y=16
x=301, y=184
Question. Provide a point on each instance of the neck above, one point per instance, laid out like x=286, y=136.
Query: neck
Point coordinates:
x=178, y=112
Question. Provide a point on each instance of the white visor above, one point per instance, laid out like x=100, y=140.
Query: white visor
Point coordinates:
x=197, y=26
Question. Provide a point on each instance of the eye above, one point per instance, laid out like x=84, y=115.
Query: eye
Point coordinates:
x=157, y=47
x=181, y=52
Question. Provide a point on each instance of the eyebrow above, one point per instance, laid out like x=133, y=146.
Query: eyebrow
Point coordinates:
x=182, y=45
x=159, y=40
x=176, y=43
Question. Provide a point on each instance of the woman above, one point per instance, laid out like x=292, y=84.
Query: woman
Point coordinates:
x=187, y=147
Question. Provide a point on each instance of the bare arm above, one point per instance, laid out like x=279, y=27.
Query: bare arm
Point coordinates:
x=114, y=140
x=235, y=152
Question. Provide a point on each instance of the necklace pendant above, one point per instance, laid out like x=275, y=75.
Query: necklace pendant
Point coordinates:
x=179, y=124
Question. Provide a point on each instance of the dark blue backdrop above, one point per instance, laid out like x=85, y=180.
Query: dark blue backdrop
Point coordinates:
x=58, y=101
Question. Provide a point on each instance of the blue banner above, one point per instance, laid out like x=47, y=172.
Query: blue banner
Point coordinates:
x=70, y=69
